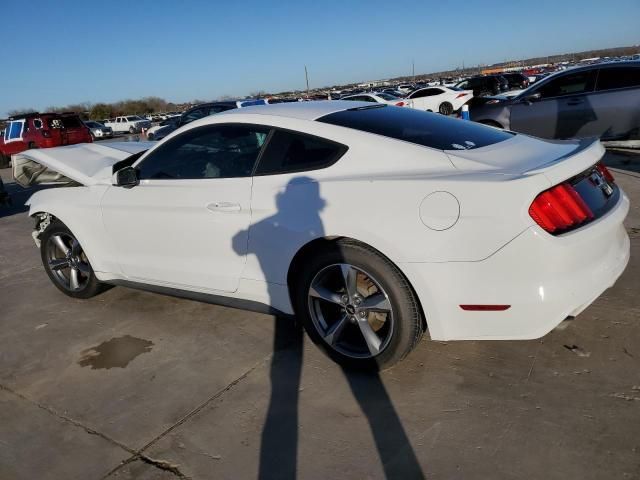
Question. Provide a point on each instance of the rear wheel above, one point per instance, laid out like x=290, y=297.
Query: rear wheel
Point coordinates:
x=66, y=263
x=132, y=130
x=445, y=108
x=358, y=306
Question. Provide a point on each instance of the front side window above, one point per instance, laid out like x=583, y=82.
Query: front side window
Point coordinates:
x=621, y=77
x=213, y=151
x=289, y=152
x=569, y=84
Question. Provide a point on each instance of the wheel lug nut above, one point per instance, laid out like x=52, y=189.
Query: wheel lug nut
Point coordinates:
x=363, y=314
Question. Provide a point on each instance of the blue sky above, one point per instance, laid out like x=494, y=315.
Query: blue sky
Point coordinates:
x=61, y=52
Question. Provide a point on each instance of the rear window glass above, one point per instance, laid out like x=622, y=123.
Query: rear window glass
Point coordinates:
x=429, y=129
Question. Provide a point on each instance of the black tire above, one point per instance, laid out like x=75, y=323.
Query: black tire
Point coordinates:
x=407, y=324
x=150, y=136
x=132, y=130
x=4, y=160
x=89, y=285
x=32, y=146
x=445, y=108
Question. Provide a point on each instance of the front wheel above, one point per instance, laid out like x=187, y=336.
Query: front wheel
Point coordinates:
x=358, y=306
x=445, y=108
x=132, y=130
x=66, y=263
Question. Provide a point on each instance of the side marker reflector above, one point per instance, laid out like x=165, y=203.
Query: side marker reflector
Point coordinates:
x=485, y=308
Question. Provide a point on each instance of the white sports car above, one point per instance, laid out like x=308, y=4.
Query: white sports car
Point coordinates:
x=372, y=223
x=444, y=100
x=377, y=97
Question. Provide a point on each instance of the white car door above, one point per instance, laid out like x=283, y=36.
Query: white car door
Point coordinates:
x=427, y=98
x=186, y=223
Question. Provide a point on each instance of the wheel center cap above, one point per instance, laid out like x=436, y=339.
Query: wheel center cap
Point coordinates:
x=351, y=310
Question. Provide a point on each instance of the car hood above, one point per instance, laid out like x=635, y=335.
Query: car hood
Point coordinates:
x=85, y=163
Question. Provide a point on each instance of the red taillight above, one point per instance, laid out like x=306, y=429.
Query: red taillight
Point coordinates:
x=461, y=95
x=559, y=208
x=604, y=171
x=485, y=308
x=400, y=104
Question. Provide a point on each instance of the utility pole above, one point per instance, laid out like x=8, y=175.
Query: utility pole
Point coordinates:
x=413, y=70
x=306, y=76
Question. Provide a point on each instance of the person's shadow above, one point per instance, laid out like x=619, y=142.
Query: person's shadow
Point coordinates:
x=299, y=206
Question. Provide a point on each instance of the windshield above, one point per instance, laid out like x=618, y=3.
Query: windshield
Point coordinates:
x=422, y=128
x=134, y=118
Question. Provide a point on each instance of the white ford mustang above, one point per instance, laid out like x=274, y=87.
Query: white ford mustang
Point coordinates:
x=372, y=223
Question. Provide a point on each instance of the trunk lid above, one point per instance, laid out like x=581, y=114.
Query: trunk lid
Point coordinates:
x=87, y=163
x=524, y=155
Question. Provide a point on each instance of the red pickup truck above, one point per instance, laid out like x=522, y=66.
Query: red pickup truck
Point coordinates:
x=41, y=130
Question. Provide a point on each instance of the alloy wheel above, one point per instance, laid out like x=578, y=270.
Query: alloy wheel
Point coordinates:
x=67, y=262
x=351, y=311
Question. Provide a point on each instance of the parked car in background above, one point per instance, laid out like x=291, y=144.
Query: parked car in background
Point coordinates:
x=163, y=128
x=516, y=80
x=465, y=231
x=600, y=100
x=444, y=100
x=204, y=110
x=41, y=130
x=377, y=97
x=484, y=85
x=394, y=92
x=406, y=88
x=129, y=123
x=98, y=130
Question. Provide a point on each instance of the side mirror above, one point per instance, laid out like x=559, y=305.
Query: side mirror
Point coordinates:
x=126, y=177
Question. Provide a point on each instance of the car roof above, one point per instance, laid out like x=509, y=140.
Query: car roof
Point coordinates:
x=300, y=110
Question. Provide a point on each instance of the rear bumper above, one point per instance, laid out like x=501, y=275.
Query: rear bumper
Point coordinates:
x=543, y=278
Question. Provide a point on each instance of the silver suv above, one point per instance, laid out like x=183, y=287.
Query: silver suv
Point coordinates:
x=601, y=100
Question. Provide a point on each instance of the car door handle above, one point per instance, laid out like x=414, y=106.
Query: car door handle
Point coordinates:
x=576, y=101
x=224, y=207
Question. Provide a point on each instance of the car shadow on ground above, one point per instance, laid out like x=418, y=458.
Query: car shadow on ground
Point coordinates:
x=301, y=208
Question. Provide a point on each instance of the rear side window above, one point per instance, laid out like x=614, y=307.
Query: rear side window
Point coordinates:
x=289, y=152
x=71, y=122
x=422, y=128
x=612, y=78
